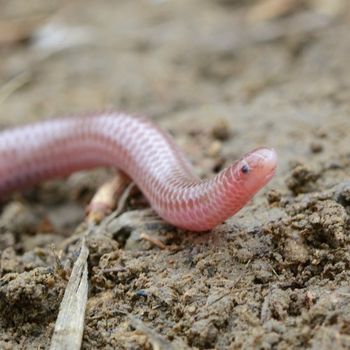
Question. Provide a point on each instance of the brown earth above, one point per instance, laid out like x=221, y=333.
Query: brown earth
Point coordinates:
x=224, y=77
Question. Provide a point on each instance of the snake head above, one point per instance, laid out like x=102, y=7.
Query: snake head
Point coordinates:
x=256, y=169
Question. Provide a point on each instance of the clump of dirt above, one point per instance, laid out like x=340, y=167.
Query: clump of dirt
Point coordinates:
x=302, y=179
x=313, y=225
x=22, y=297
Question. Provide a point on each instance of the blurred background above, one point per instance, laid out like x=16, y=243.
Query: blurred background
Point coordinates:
x=157, y=56
x=249, y=63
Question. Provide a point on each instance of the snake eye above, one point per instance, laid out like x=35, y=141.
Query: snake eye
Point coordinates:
x=245, y=169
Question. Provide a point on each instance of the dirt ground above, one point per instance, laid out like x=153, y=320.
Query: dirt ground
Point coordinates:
x=224, y=77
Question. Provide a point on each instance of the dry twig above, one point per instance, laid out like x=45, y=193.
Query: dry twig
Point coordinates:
x=106, y=197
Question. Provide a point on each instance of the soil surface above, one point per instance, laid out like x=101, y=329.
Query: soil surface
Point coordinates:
x=223, y=77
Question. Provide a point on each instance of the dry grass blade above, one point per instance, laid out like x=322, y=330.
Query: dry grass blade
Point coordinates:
x=157, y=242
x=13, y=85
x=69, y=326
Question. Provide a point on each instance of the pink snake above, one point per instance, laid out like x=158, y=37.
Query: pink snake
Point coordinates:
x=58, y=147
